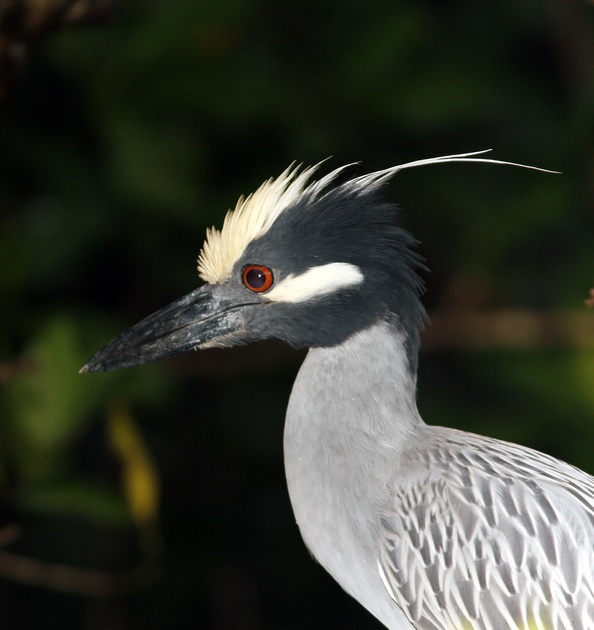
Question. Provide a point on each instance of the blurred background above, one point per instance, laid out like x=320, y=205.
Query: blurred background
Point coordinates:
x=155, y=498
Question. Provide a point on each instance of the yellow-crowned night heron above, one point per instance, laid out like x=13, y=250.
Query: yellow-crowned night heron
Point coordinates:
x=428, y=527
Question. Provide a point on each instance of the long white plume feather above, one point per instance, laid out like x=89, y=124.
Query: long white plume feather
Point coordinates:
x=376, y=179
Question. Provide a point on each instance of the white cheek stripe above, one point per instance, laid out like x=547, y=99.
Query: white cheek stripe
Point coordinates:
x=316, y=282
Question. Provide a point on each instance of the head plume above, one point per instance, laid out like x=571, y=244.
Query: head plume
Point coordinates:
x=254, y=215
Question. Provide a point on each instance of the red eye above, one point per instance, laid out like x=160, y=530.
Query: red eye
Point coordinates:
x=257, y=278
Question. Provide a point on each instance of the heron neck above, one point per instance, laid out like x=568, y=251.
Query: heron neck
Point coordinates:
x=365, y=383
x=351, y=414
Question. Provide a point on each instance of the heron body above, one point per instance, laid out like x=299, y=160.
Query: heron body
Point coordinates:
x=427, y=527
x=440, y=528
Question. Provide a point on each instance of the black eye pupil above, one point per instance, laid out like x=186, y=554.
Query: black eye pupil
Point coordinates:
x=255, y=278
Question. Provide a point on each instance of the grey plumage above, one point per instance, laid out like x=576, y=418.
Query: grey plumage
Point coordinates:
x=466, y=532
x=428, y=527
x=518, y=550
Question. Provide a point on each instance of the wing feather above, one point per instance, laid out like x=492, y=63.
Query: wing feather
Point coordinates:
x=487, y=535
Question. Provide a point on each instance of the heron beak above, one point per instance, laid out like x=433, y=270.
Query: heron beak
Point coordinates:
x=202, y=318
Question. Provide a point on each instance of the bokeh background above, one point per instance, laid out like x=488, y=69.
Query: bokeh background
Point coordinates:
x=154, y=498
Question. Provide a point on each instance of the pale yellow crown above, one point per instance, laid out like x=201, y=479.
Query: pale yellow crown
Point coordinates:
x=253, y=216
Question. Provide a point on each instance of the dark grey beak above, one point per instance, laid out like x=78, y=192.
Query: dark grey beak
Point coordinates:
x=200, y=318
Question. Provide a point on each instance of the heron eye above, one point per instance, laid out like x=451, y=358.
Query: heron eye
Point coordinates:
x=257, y=278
